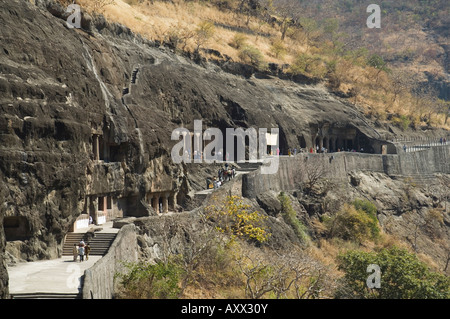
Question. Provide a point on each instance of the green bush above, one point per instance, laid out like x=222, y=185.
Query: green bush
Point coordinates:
x=377, y=62
x=371, y=210
x=278, y=49
x=151, y=281
x=290, y=217
x=357, y=222
x=402, y=121
x=238, y=41
x=203, y=33
x=403, y=276
x=310, y=64
x=252, y=55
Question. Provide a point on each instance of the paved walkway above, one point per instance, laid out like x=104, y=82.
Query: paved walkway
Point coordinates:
x=57, y=276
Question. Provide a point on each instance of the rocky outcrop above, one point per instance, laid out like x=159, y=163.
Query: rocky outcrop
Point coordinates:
x=89, y=112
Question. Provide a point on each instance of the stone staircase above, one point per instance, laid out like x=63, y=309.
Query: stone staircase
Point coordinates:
x=100, y=243
x=134, y=75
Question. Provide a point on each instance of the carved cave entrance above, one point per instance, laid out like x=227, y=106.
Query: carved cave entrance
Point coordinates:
x=16, y=228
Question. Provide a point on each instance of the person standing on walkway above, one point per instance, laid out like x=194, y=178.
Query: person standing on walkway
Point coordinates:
x=87, y=250
x=75, y=252
x=81, y=253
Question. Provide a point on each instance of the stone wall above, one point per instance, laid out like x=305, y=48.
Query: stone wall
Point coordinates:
x=338, y=165
x=98, y=280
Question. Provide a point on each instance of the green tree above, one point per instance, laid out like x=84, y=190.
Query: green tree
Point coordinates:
x=378, y=63
x=403, y=276
x=278, y=49
x=205, y=31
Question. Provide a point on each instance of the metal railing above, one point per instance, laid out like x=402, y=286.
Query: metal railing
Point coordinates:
x=421, y=143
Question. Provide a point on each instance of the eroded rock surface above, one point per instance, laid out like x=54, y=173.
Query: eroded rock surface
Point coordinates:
x=64, y=92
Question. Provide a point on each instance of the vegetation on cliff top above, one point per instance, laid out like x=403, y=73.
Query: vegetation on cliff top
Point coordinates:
x=384, y=72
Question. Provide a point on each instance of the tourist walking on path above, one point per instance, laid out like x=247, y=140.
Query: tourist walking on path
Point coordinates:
x=87, y=250
x=81, y=253
x=75, y=252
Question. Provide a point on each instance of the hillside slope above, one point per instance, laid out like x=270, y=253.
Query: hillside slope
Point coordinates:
x=397, y=73
x=61, y=89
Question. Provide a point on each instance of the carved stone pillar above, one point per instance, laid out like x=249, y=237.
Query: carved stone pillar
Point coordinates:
x=165, y=203
x=172, y=201
x=156, y=203
x=93, y=207
x=149, y=198
x=96, y=147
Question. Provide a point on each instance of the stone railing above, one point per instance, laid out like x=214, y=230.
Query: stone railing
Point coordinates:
x=98, y=281
x=420, y=143
x=338, y=165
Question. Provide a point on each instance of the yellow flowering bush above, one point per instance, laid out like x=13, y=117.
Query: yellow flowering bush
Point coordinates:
x=235, y=218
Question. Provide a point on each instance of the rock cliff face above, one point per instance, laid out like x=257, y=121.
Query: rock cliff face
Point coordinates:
x=87, y=115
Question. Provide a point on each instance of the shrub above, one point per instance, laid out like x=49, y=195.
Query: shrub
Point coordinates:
x=377, y=62
x=151, y=281
x=238, y=41
x=251, y=54
x=402, y=121
x=306, y=63
x=234, y=218
x=278, y=49
x=290, y=217
x=205, y=31
x=371, y=210
x=403, y=276
x=357, y=222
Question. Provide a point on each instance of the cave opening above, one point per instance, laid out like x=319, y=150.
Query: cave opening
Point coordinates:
x=16, y=228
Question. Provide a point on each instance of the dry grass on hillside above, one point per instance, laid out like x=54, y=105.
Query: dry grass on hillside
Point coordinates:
x=158, y=20
x=373, y=93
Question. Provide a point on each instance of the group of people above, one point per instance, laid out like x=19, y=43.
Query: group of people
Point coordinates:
x=81, y=250
x=224, y=174
x=320, y=150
